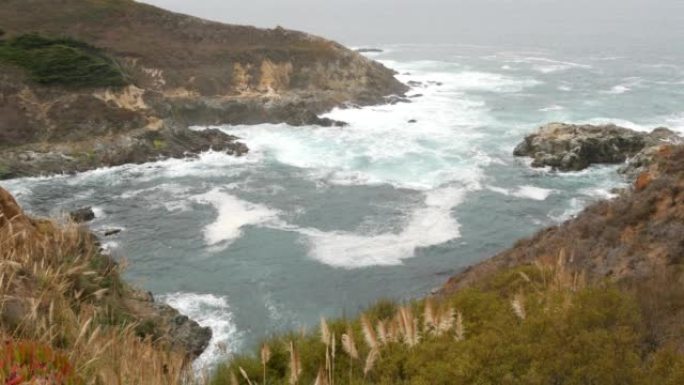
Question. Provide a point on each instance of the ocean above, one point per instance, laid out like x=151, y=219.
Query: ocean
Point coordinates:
x=324, y=221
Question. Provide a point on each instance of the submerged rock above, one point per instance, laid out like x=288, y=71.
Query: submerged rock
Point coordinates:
x=82, y=215
x=110, y=232
x=568, y=147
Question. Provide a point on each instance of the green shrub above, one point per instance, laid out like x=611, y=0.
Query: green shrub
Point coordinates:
x=62, y=61
x=522, y=326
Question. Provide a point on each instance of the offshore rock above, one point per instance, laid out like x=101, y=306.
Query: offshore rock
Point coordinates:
x=568, y=147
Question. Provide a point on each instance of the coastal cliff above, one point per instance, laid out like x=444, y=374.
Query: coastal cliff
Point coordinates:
x=168, y=71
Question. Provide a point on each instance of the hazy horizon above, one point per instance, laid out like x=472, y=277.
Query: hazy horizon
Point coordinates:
x=618, y=24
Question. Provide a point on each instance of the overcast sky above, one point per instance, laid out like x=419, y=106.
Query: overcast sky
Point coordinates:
x=521, y=22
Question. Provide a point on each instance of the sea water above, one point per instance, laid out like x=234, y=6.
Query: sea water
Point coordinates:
x=324, y=221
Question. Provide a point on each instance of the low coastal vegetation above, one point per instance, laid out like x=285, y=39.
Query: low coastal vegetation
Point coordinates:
x=63, y=314
x=61, y=61
x=537, y=324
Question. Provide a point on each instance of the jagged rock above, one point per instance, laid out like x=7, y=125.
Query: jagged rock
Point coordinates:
x=110, y=232
x=568, y=147
x=160, y=320
x=82, y=215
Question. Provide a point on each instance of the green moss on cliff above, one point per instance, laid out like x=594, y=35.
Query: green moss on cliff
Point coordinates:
x=61, y=61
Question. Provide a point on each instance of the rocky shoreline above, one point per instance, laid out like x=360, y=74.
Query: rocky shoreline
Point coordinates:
x=178, y=71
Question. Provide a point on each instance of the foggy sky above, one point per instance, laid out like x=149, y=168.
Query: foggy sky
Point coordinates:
x=511, y=22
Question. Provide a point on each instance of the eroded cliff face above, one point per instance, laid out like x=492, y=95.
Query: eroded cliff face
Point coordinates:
x=181, y=71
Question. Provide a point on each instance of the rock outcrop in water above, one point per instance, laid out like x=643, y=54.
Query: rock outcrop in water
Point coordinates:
x=177, y=71
x=155, y=320
x=569, y=147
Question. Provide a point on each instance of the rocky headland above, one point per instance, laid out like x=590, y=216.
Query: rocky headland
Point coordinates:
x=156, y=73
x=569, y=147
x=635, y=240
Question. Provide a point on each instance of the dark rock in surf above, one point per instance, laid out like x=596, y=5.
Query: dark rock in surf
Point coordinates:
x=110, y=232
x=82, y=215
x=568, y=147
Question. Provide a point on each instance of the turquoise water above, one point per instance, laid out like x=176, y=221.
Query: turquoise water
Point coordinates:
x=323, y=221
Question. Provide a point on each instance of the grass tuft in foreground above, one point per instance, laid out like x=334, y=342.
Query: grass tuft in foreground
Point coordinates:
x=62, y=316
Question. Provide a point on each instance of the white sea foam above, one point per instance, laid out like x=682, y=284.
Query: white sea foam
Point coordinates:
x=618, y=122
x=618, y=89
x=472, y=81
x=99, y=212
x=379, y=146
x=110, y=246
x=434, y=155
x=532, y=192
x=209, y=311
x=554, y=107
x=598, y=192
x=430, y=224
x=548, y=66
x=574, y=207
x=628, y=85
x=525, y=192
x=418, y=156
x=233, y=215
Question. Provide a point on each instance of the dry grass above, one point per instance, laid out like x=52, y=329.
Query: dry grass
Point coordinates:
x=56, y=289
